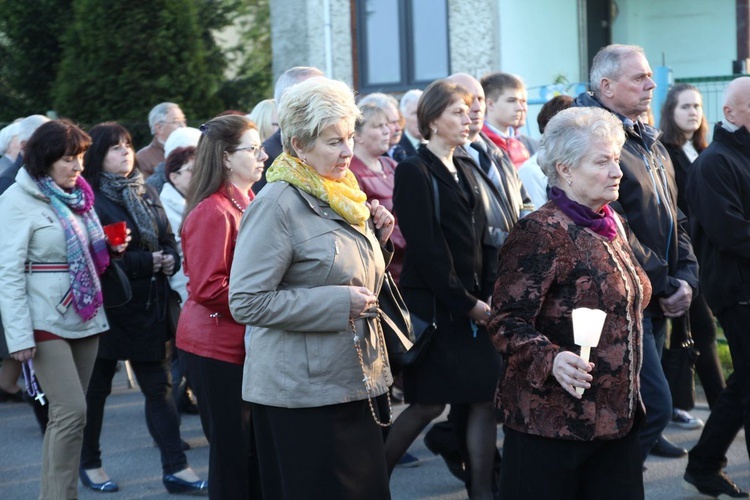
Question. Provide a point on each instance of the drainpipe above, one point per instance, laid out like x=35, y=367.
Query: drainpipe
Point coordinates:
x=327, y=33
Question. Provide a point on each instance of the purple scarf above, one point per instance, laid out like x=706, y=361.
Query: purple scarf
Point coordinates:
x=84, y=264
x=601, y=222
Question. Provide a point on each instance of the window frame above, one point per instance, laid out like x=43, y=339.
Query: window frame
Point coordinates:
x=406, y=38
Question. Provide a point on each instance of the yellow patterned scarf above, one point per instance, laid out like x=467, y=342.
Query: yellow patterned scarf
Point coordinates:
x=344, y=196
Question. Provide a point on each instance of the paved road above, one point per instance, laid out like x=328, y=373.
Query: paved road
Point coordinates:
x=130, y=458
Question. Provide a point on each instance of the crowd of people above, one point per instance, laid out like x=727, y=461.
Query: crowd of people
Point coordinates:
x=255, y=246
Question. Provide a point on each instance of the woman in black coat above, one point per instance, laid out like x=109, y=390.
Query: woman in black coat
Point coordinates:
x=685, y=129
x=139, y=328
x=447, y=275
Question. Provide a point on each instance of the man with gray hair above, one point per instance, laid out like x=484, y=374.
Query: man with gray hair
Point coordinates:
x=412, y=138
x=272, y=145
x=717, y=187
x=26, y=129
x=163, y=119
x=621, y=83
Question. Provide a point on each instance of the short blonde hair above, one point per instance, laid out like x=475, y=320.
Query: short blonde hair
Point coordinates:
x=262, y=116
x=569, y=135
x=310, y=106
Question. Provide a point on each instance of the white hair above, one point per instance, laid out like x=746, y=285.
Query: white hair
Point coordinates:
x=28, y=126
x=181, y=138
x=6, y=135
x=569, y=135
x=409, y=97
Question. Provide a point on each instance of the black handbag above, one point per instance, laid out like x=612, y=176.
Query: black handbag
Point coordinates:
x=678, y=363
x=406, y=335
x=116, y=290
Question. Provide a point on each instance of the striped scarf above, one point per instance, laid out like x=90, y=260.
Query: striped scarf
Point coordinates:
x=87, y=257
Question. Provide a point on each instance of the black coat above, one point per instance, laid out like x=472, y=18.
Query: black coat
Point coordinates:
x=718, y=193
x=138, y=330
x=447, y=268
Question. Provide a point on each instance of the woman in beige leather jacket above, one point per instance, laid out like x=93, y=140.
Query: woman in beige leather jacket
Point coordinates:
x=308, y=265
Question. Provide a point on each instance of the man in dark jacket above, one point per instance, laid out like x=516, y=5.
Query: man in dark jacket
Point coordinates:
x=621, y=83
x=717, y=188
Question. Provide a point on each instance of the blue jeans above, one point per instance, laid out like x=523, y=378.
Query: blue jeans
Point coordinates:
x=654, y=386
x=161, y=414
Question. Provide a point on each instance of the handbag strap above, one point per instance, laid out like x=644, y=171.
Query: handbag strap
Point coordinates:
x=436, y=200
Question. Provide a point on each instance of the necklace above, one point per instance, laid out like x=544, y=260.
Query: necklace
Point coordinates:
x=236, y=204
x=366, y=379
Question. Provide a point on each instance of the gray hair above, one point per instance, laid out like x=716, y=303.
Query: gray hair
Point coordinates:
x=368, y=110
x=158, y=113
x=6, y=135
x=28, y=126
x=569, y=135
x=293, y=76
x=312, y=105
x=379, y=99
x=607, y=62
x=409, y=97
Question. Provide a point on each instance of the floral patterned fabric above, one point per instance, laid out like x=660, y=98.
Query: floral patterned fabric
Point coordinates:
x=548, y=267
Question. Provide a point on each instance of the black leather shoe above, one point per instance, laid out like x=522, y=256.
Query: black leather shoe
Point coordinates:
x=108, y=486
x=665, y=448
x=178, y=486
x=452, y=458
x=716, y=485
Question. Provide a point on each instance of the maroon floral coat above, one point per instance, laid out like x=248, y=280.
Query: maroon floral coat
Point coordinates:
x=548, y=267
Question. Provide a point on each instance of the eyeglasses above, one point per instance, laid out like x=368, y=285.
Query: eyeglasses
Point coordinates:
x=180, y=123
x=185, y=169
x=258, y=150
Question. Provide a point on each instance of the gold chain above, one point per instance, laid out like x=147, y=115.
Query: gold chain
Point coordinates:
x=366, y=379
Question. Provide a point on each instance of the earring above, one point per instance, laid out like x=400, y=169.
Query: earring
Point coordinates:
x=570, y=182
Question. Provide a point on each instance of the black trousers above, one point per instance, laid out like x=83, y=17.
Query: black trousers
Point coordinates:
x=732, y=410
x=334, y=452
x=561, y=469
x=225, y=418
x=161, y=414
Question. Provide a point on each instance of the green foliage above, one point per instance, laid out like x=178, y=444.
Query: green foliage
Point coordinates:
x=97, y=60
x=122, y=58
x=30, y=53
x=253, y=59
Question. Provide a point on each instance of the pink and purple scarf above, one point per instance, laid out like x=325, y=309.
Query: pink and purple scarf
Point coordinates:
x=85, y=265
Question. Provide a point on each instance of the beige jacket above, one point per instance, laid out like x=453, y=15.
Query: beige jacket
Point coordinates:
x=31, y=232
x=293, y=265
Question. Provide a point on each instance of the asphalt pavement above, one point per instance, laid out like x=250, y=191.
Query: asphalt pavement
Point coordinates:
x=131, y=459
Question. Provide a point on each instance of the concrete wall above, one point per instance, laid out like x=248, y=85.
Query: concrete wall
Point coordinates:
x=298, y=37
x=473, y=36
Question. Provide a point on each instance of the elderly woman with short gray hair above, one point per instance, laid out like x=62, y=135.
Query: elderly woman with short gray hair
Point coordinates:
x=571, y=422
x=309, y=261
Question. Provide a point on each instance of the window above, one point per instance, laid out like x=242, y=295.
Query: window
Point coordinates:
x=402, y=43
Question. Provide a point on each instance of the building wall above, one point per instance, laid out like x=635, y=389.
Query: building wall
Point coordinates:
x=696, y=38
x=298, y=37
x=473, y=36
